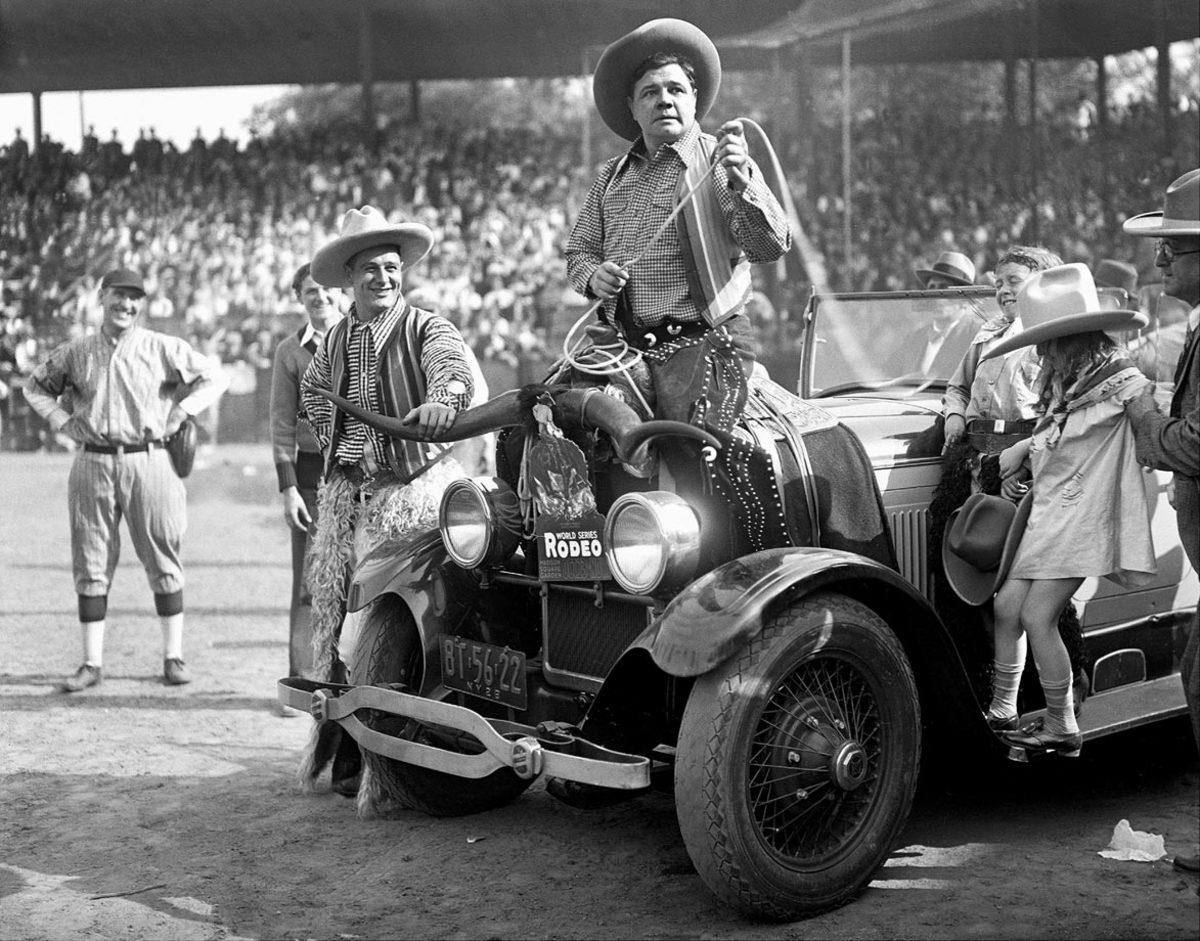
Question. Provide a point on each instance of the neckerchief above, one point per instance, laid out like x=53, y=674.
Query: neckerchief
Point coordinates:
x=1101, y=380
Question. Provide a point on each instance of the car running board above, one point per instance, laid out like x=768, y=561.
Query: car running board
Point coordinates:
x=1118, y=710
x=527, y=750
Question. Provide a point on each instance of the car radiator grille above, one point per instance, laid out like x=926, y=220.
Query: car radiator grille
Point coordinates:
x=582, y=642
x=910, y=529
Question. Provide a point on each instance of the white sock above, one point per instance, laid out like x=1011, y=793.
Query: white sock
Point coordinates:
x=1006, y=681
x=93, y=642
x=172, y=632
x=1060, y=711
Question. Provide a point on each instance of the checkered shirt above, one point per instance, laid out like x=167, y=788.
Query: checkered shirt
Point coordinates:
x=629, y=201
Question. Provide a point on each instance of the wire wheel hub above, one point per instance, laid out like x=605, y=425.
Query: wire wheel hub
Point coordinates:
x=848, y=767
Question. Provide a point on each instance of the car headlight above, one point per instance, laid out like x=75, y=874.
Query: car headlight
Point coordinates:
x=480, y=521
x=652, y=540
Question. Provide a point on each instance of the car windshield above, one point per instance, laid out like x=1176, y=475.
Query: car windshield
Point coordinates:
x=912, y=339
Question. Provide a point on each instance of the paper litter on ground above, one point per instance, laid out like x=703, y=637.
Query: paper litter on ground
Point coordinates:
x=1134, y=845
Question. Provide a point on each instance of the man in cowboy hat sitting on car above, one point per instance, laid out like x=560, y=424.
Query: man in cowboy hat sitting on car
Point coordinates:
x=652, y=87
x=389, y=358
x=677, y=295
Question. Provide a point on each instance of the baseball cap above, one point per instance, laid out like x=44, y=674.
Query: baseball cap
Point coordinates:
x=123, y=278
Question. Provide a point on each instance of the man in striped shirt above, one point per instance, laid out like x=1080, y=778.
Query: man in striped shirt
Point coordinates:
x=393, y=359
x=119, y=394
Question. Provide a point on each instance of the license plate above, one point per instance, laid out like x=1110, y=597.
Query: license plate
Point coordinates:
x=496, y=674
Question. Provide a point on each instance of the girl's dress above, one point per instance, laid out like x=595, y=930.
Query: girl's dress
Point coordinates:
x=1091, y=510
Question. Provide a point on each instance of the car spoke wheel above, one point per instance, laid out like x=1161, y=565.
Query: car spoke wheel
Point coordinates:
x=797, y=760
x=813, y=761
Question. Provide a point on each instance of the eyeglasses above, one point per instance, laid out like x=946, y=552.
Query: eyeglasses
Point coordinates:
x=1164, y=248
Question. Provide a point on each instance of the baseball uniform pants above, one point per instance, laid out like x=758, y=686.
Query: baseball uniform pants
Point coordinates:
x=142, y=488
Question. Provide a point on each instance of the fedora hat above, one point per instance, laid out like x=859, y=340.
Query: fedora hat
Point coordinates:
x=980, y=542
x=1059, y=302
x=610, y=83
x=1111, y=273
x=1180, y=213
x=953, y=265
x=367, y=228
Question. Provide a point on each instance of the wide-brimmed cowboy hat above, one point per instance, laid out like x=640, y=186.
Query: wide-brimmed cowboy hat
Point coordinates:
x=980, y=542
x=955, y=266
x=1059, y=302
x=610, y=83
x=1180, y=214
x=367, y=228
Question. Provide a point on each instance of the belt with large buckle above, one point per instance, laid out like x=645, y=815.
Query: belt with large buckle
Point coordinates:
x=647, y=338
x=988, y=426
x=989, y=436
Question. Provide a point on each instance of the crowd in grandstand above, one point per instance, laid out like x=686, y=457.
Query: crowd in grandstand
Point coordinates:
x=218, y=229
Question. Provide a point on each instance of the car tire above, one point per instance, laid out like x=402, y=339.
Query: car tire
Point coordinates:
x=392, y=654
x=797, y=760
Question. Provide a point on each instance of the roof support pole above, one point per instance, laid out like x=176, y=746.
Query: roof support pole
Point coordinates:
x=1035, y=161
x=585, y=141
x=1103, y=131
x=37, y=121
x=847, y=168
x=1164, y=76
x=802, y=96
x=1012, y=122
x=414, y=101
x=366, y=73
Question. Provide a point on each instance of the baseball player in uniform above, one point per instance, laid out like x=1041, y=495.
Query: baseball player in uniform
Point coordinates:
x=298, y=459
x=119, y=393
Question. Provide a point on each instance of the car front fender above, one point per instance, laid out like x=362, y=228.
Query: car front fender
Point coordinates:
x=420, y=573
x=720, y=612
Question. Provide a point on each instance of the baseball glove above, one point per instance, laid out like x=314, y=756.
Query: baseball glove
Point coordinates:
x=181, y=447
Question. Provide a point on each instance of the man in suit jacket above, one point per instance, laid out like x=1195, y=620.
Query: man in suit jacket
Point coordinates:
x=298, y=459
x=1172, y=441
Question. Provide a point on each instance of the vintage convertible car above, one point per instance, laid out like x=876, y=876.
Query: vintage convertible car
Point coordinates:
x=587, y=616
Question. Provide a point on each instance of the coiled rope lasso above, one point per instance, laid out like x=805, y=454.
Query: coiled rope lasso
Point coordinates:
x=618, y=356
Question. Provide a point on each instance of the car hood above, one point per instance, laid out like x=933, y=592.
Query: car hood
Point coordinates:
x=890, y=429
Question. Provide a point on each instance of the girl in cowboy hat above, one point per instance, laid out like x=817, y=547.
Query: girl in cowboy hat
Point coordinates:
x=1090, y=515
x=989, y=405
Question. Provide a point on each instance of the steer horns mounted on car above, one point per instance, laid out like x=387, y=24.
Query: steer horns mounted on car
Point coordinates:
x=587, y=407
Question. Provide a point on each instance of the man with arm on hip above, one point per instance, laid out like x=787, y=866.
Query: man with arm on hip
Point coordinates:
x=119, y=394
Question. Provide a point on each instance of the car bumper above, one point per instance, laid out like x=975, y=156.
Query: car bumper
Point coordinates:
x=529, y=751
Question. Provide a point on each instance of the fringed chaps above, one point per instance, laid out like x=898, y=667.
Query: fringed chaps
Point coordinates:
x=348, y=529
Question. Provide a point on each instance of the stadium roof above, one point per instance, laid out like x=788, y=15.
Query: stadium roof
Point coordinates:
x=62, y=45
x=59, y=45
x=887, y=31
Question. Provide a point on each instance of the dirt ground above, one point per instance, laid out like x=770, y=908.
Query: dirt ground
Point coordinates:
x=135, y=810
